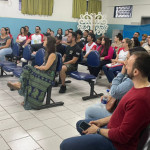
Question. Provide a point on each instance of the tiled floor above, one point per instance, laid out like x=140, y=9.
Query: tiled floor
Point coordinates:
x=43, y=129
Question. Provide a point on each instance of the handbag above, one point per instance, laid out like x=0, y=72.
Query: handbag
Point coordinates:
x=112, y=104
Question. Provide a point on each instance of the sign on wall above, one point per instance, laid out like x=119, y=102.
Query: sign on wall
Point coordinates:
x=123, y=11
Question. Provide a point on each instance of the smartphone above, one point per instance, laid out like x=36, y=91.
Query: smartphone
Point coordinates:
x=84, y=126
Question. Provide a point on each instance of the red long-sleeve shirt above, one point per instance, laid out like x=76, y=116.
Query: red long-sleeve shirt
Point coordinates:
x=130, y=117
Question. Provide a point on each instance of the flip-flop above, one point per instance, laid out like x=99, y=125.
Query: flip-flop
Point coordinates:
x=12, y=86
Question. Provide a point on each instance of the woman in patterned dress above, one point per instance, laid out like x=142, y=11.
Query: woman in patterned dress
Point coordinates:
x=34, y=81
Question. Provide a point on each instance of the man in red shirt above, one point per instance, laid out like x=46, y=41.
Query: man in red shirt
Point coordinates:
x=128, y=120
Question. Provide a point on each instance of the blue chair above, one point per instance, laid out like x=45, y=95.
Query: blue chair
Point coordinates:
x=39, y=60
x=93, y=60
x=39, y=57
x=49, y=101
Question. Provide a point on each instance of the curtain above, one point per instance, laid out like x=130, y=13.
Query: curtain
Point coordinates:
x=37, y=7
x=94, y=6
x=79, y=7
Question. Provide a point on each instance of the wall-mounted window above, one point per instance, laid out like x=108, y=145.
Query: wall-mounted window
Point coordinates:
x=123, y=11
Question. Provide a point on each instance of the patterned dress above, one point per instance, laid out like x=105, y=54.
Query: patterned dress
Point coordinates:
x=34, y=84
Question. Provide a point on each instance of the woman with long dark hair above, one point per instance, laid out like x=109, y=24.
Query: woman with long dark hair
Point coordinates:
x=34, y=81
x=106, y=53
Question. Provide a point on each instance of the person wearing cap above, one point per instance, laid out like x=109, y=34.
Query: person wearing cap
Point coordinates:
x=144, y=37
x=59, y=47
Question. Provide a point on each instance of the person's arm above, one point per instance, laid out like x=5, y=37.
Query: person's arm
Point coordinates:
x=28, y=41
x=119, y=86
x=110, y=54
x=73, y=61
x=49, y=63
x=96, y=124
x=63, y=58
x=7, y=44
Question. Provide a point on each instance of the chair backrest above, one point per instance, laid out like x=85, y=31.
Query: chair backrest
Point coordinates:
x=59, y=62
x=39, y=57
x=15, y=49
x=144, y=137
x=27, y=52
x=93, y=59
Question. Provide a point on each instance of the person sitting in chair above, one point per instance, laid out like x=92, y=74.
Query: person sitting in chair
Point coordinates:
x=70, y=59
x=34, y=81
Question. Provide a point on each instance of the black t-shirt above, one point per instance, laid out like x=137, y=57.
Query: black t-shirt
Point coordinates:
x=80, y=44
x=61, y=49
x=3, y=41
x=74, y=51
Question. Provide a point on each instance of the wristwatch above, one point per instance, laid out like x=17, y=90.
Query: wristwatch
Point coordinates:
x=98, y=131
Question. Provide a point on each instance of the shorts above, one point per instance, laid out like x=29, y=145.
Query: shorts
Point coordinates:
x=70, y=67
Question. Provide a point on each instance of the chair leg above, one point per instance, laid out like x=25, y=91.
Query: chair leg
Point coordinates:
x=93, y=94
x=49, y=101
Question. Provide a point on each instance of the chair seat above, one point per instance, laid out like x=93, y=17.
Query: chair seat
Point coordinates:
x=11, y=68
x=17, y=72
x=82, y=76
x=8, y=63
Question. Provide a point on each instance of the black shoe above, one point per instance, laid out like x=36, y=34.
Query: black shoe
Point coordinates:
x=62, y=89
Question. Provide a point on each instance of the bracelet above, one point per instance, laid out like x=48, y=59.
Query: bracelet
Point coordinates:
x=98, y=131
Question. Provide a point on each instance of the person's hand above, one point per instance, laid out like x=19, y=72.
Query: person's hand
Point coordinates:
x=123, y=71
x=34, y=53
x=91, y=130
x=96, y=122
x=101, y=58
x=37, y=67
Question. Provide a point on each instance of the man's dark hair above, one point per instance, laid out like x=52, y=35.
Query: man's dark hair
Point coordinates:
x=142, y=63
x=87, y=31
x=74, y=35
x=79, y=32
x=138, y=33
x=38, y=27
x=137, y=49
x=92, y=36
x=27, y=27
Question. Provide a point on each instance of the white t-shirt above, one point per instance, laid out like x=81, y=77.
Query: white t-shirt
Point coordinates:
x=22, y=38
x=88, y=47
x=36, y=39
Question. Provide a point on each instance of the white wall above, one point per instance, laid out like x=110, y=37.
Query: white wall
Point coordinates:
x=140, y=8
x=62, y=11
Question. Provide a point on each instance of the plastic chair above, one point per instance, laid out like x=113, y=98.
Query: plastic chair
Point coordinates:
x=93, y=60
x=39, y=57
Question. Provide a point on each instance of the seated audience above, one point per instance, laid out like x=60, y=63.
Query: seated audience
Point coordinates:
x=91, y=45
x=123, y=127
x=59, y=47
x=121, y=84
x=136, y=34
x=8, y=33
x=48, y=33
x=5, y=44
x=60, y=32
x=84, y=38
x=27, y=30
x=117, y=42
x=117, y=63
x=34, y=81
x=106, y=54
x=36, y=40
x=147, y=44
x=144, y=39
x=136, y=42
x=22, y=37
x=70, y=59
x=79, y=42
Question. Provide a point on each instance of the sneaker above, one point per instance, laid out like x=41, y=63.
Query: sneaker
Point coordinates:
x=23, y=60
x=62, y=89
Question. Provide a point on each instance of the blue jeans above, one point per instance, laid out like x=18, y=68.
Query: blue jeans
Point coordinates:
x=87, y=142
x=97, y=111
x=4, y=52
x=109, y=72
